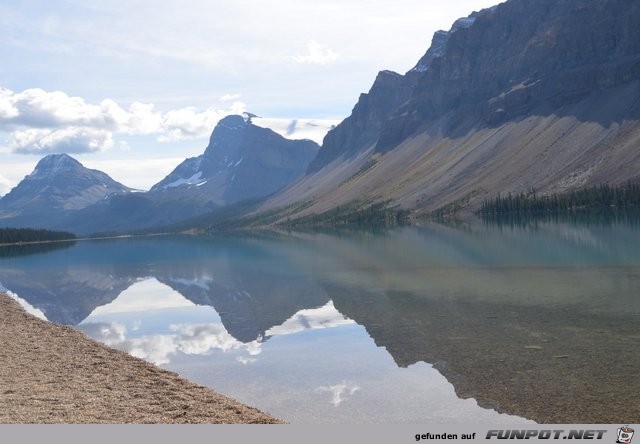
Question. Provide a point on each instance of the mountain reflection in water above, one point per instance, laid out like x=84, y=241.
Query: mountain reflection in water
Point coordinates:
x=365, y=327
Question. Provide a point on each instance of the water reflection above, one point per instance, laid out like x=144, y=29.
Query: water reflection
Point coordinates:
x=13, y=250
x=153, y=322
x=323, y=317
x=339, y=391
x=312, y=327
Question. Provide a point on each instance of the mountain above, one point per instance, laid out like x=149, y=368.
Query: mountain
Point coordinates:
x=542, y=95
x=390, y=90
x=242, y=161
x=361, y=129
x=58, y=185
x=525, y=95
x=441, y=38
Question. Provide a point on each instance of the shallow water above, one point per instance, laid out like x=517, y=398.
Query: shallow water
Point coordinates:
x=414, y=325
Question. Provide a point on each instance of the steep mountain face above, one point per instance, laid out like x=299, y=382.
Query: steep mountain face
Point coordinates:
x=441, y=38
x=521, y=58
x=57, y=185
x=542, y=94
x=242, y=161
x=361, y=129
x=389, y=92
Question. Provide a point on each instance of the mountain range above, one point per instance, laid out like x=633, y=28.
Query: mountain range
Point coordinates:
x=525, y=95
x=242, y=161
x=542, y=95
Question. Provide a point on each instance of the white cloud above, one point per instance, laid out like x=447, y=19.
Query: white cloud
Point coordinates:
x=67, y=140
x=42, y=122
x=312, y=129
x=142, y=118
x=188, y=338
x=12, y=173
x=111, y=334
x=199, y=339
x=317, y=54
x=37, y=108
x=138, y=173
x=189, y=123
x=245, y=361
x=7, y=108
x=229, y=97
x=339, y=392
x=154, y=349
x=191, y=339
x=5, y=185
x=213, y=48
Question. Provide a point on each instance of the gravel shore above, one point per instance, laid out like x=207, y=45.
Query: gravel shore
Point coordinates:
x=54, y=374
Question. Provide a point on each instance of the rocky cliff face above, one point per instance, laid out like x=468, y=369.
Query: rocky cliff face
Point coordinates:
x=361, y=129
x=520, y=58
x=542, y=94
x=441, y=38
x=390, y=91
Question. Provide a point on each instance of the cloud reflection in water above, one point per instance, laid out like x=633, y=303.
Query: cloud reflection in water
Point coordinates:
x=339, y=392
x=141, y=321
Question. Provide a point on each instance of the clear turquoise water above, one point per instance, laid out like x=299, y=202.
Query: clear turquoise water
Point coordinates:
x=414, y=325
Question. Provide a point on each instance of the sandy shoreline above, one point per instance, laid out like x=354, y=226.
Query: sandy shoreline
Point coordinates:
x=55, y=374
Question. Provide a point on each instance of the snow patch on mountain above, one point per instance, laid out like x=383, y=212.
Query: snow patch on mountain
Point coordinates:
x=193, y=180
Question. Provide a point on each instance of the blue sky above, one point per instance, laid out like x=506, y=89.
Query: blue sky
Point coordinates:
x=133, y=87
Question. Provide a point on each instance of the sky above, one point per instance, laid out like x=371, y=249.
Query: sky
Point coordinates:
x=134, y=87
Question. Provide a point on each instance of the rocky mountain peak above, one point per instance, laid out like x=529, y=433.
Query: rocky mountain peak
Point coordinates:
x=233, y=122
x=360, y=130
x=54, y=164
x=242, y=161
x=438, y=43
x=58, y=182
x=441, y=38
x=389, y=92
x=227, y=135
x=523, y=57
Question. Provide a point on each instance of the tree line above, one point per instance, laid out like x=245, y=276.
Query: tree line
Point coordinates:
x=21, y=235
x=353, y=214
x=593, y=198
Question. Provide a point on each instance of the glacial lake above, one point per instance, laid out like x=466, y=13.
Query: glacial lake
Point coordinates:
x=430, y=324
